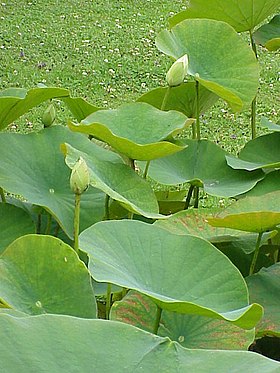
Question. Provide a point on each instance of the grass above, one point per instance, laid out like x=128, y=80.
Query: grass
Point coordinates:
x=104, y=51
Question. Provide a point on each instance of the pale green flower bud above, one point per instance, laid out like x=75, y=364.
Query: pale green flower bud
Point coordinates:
x=79, y=179
x=49, y=116
x=177, y=72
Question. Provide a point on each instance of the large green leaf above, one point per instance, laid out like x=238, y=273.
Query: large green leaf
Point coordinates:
x=203, y=163
x=14, y=222
x=269, y=184
x=253, y=214
x=189, y=330
x=55, y=343
x=270, y=125
x=181, y=98
x=243, y=15
x=262, y=152
x=264, y=287
x=15, y=102
x=33, y=166
x=268, y=35
x=41, y=274
x=185, y=274
x=137, y=130
x=232, y=76
x=79, y=107
x=117, y=180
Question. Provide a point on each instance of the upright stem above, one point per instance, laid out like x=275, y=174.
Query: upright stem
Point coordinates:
x=197, y=110
x=2, y=194
x=146, y=169
x=108, y=300
x=157, y=320
x=49, y=224
x=77, y=222
x=107, y=209
x=189, y=196
x=39, y=223
x=165, y=98
x=256, y=253
x=196, y=197
x=254, y=102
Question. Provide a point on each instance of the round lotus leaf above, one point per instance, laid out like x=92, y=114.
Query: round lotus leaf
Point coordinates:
x=243, y=15
x=137, y=130
x=41, y=274
x=56, y=343
x=185, y=274
x=232, y=76
x=268, y=35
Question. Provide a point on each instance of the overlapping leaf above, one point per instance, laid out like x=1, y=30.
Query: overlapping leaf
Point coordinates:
x=203, y=163
x=232, y=76
x=115, y=347
x=178, y=272
x=117, y=180
x=262, y=152
x=181, y=98
x=264, y=287
x=268, y=35
x=243, y=15
x=14, y=222
x=137, y=130
x=41, y=274
x=36, y=170
x=253, y=214
x=189, y=330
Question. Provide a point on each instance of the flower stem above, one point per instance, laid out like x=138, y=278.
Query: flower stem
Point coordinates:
x=157, y=321
x=165, y=98
x=146, y=170
x=256, y=253
x=77, y=221
x=197, y=110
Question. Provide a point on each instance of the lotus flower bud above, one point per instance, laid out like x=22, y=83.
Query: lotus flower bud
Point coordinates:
x=177, y=72
x=49, y=116
x=79, y=179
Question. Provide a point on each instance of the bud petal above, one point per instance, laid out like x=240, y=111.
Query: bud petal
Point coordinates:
x=49, y=116
x=79, y=179
x=177, y=72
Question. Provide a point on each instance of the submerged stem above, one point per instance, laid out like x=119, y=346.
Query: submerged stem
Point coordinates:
x=157, y=320
x=256, y=253
x=77, y=222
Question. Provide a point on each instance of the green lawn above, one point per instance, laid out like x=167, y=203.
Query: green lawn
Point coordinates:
x=105, y=52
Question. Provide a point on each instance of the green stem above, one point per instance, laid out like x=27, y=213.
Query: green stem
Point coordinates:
x=157, y=321
x=197, y=110
x=77, y=222
x=49, y=224
x=108, y=300
x=57, y=228
x=107, y=207
x=3, y=197
x=256, y=253
x=254, y=102
x=165, y=98
x=39, y=223
x=194, y=131
x=130, y=215
x=196, y=197
x=146, y=169
x=189, y=196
